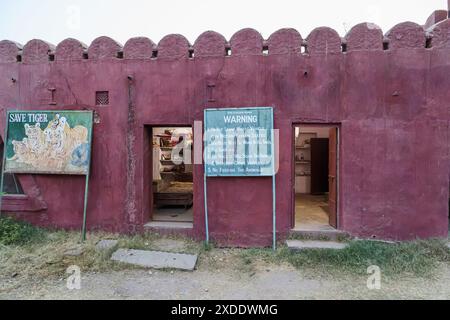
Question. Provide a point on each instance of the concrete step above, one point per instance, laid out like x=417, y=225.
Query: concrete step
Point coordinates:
x=156, y=259
x=324, y=235
x=314, y=244
x=168, y=225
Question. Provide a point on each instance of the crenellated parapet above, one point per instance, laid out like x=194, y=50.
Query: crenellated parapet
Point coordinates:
x=406, y=35
x=285, y=41
x=104, y=48
x=210, y=44
x=364, y=36
x=440, y=34
x=70, y=50
x=246, y=42
x=139, y=48
x=37, y=51
x=323, y=40
x=9, y=51
x=173, y=46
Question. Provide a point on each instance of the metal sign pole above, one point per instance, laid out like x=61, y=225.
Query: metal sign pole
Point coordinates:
x=274, y=214
x=274, y=205
x=206, y=208
x=205, y=193
x=86, y=186
x=5, y=139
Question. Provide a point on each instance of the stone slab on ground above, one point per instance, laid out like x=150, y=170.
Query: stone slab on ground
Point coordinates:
x=156, y=259
x=74, y=252
x=106, y=244
x=313, y=244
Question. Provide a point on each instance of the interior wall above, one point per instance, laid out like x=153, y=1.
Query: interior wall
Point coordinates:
x=322, y=132
x=156, y=153
x=302, y=184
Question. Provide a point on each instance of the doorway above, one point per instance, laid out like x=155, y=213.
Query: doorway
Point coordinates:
x=172, y=174
x=315, y=177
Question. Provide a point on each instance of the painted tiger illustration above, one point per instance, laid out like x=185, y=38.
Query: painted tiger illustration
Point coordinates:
x=55, y=147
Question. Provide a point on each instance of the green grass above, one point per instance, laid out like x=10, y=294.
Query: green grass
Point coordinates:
x=14, y=232
x=29, y=251
x=207, y=246
x=418, y=258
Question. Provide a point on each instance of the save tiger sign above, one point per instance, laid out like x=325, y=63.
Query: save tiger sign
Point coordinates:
x=50, y=142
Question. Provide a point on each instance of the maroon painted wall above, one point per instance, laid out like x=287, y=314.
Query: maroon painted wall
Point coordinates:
x=391, y=103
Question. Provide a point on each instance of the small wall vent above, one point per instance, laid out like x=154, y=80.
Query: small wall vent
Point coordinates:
x=102, y=98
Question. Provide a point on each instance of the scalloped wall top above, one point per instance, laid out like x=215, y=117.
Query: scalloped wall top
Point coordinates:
x=321, y=41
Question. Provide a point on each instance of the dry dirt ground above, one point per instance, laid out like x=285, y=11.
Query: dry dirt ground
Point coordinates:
x=220, y=274
x=270, y=282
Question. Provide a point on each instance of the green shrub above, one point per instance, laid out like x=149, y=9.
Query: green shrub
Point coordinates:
x=16, y=232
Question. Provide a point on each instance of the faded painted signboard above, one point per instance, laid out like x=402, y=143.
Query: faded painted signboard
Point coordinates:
x=52, y=142
x=238, y=142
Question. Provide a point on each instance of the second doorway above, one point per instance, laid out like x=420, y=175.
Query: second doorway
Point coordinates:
x=315, y=173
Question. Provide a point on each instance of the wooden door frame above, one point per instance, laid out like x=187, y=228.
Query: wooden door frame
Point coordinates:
x=338, y=166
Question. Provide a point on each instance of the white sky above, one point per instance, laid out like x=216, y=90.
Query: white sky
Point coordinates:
x=53, y=20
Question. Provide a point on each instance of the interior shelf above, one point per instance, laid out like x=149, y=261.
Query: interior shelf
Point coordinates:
x=167, y=162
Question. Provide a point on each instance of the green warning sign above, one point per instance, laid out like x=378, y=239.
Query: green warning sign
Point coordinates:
x=239, y=142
